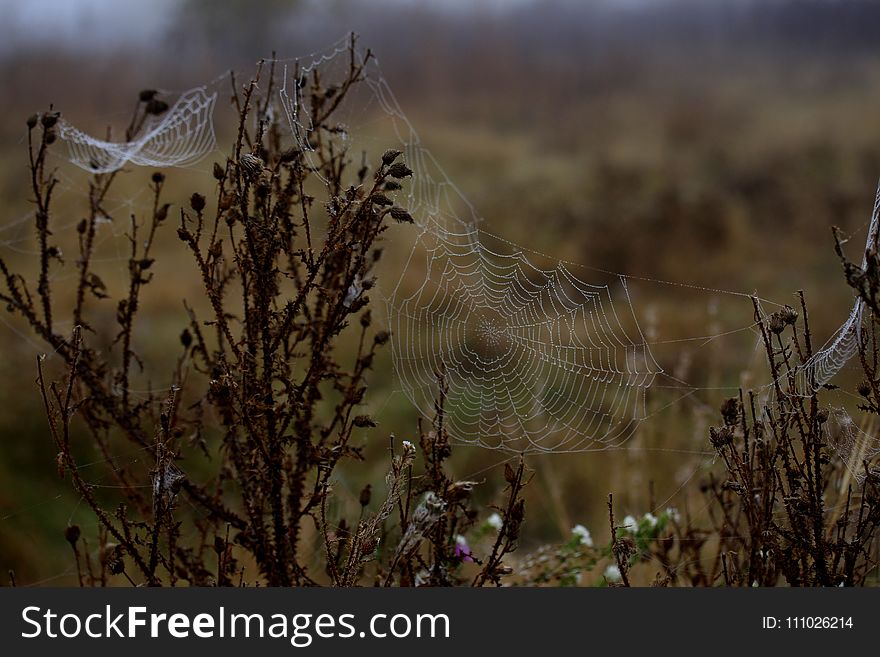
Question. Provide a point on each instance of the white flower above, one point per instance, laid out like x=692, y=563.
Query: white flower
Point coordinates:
x=612, y=573
x=651, y=519
x=494, y=521
x=584, y=534
x=673, y=514
x=408, y=445
x=461, y=541
x=354, y=291
x=630, y=524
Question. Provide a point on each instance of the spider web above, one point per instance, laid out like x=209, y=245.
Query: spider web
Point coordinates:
x=857, y=447
x=179, y=137
x=844, y=344
x=532, y=357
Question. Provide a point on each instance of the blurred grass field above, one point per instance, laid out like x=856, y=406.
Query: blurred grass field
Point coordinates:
x=715, y=162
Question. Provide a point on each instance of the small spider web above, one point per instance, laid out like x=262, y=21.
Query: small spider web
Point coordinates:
x=179, y=137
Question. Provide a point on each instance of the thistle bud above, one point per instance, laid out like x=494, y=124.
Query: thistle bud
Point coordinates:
x=366, y=494
x=399, y=170
x=389, y=156
x=777, y=323
x=197, y=202
x=50, y=119
x=789, y=315
x=381, y=199
x=251, y=165
x=72, y=533
x=730, y=411
x=362, y=421
x=401, y=216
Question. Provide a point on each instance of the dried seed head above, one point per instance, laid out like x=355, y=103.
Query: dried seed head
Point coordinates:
x=147, y=95
x=197, y=202
x=362, y=421
x=32, y=121
x=776, y=324
x=366, y=494
x=392, y=186
x=401, y=216
x=381, y=199
x=390, y=155
x=382, y=338
x=864, y=389
x=186, y=338
x=399, y=170
x=720, y=437
x=50, y=119
x=219, y=172
x=50, y=136
x=730, y=411
x=72, y=533
x=158, y=177
x=251, y=165
x=789, y=315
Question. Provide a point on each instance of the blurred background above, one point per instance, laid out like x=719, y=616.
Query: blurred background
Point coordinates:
x=712, y=144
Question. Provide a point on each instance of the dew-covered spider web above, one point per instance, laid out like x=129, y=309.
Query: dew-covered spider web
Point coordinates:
x=844, y=344
x=178, y=136
x=533, y=358
x=857, y=447
x=532, y=354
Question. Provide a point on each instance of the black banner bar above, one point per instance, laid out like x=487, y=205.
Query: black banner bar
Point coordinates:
x=434, y=621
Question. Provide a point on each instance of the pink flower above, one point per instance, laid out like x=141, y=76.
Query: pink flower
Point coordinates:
x=462, y=549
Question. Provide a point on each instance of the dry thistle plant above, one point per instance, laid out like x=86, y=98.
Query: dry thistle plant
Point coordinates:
x=262, y=407
x=793, y=506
